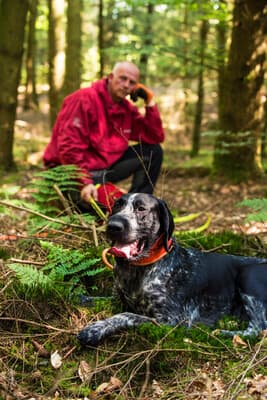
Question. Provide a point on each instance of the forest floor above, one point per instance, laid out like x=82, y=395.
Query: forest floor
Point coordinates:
x=39, y=354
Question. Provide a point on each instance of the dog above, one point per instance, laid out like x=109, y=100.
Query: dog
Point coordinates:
x=160, y=281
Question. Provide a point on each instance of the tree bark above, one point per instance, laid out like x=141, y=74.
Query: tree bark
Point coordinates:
x=56, y=39
x=73, y=47
x=147, y=42
x=199, y=105
x=12, y=24
x=31, y=98
x=101, y=44
x=221, y=60
x=237, y=150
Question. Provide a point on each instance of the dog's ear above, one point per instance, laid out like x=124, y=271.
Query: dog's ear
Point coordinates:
x=166, y=222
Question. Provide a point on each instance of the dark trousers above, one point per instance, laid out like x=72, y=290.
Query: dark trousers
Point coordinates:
x=141, y=161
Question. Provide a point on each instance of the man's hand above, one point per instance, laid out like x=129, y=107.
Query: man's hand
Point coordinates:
x=143, y=92
x=89, y=191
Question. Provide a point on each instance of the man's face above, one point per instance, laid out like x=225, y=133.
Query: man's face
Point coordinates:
x=122, y=81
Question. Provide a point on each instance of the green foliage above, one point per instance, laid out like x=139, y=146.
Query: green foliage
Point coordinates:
x=182, y=338
x=260, y=207
x=223, y=242
x=46, y=186
x=31, y=279
x=63, y=273
x=63, y=177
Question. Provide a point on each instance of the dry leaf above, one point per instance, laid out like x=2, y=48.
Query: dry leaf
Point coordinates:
x=109, y=387
x=237, y=341
x=115, y=382
x=157, y=391
x=257, y=385
x=56, y=360
x=42, y=352
x=102, y=388
x=84, y=371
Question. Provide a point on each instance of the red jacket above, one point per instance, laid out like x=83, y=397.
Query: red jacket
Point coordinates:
x=93, y=132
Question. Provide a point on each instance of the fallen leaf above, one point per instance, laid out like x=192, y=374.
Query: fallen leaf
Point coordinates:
x=257, y=385
x=109, y=387
x=102, y=388
x=84, y=371
x=115, y=382
x=237, y=341
x=56, y=360
x=156, y=389
x=42, y=352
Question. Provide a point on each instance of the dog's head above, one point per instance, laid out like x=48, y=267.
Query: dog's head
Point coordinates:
x=136, y=223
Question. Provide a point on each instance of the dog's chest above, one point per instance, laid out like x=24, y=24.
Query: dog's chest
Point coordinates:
x=142, y=289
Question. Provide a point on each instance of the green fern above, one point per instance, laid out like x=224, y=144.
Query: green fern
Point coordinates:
x=65, y=177
x=63, y=273
x=32, y=279
x=47, y=201
x=259, y=205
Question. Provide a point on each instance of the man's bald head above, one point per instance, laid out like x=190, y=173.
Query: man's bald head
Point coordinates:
x=122, y=80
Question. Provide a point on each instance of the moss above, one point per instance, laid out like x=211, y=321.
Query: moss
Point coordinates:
x=225, y=242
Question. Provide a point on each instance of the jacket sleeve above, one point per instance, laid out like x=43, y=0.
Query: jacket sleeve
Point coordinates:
x=73, y=138
x=147, y=128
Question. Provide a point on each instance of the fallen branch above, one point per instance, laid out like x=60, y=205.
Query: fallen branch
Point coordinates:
x=46, y=326
x=55, y=220
x=19, y=261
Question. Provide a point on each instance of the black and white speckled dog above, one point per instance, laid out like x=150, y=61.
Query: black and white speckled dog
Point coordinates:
x=160, y=281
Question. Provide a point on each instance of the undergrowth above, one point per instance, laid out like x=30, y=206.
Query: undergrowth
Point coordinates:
x=40, y=314
x=63, y=274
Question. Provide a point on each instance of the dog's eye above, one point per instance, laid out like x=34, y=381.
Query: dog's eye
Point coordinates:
x=141, y=208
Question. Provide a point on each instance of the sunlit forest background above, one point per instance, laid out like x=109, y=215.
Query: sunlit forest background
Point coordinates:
x=205, y=61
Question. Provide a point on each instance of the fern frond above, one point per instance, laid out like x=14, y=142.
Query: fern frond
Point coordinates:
x=31, y=277
x=259, y=205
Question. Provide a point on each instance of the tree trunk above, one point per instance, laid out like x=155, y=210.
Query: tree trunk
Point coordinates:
x=56, y=40
x=109, y=25
x=147, y=42
x=221, y=57
x=264, y=132
x=199, y=106
x=237, y=150
x=73, y=46
x=31, y=99
x=12, y=24
x=101, y=44
x=186, y=77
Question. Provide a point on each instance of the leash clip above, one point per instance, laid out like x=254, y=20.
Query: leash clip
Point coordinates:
x=105, y=260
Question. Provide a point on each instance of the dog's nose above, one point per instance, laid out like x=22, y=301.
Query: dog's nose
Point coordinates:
x=116, y=227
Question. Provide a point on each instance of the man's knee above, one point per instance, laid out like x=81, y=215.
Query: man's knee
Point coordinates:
x=153, y=151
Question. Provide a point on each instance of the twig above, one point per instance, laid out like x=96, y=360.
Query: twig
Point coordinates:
x=69, y=352
x=58, y=221
x=46, y=326
x=145, y=384
x=62, y=199
x=94, y=234
x=19, y=261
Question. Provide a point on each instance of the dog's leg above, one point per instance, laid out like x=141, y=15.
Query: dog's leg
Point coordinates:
x=98, y=331
x=256, y=312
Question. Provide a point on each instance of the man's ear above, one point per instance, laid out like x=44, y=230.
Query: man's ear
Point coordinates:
x=166, y=222
x=110, y=76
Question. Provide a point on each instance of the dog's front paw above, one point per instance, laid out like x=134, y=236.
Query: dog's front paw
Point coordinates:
x=91, y=335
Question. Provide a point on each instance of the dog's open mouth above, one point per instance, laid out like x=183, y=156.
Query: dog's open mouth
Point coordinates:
x=129, y=250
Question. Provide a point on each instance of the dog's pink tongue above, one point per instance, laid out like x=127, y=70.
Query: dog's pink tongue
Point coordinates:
x=120, y=252
x=125, y=251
